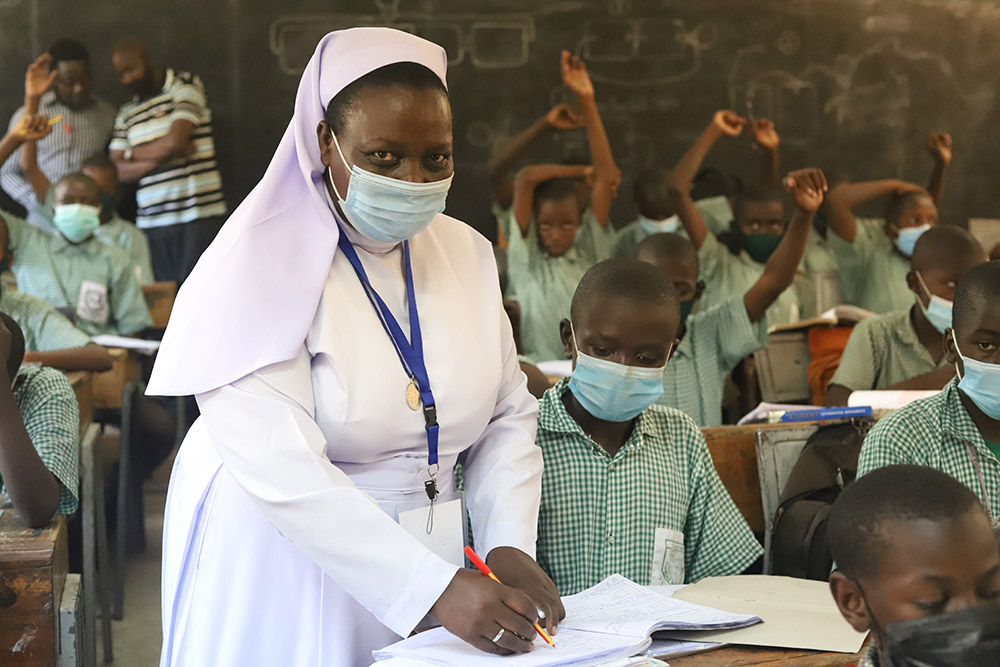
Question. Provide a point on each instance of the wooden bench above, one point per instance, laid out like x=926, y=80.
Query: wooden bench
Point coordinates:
x=83, y=387
x=107, y=386
x=736, y=656
x=33, y=568
x=160, y=301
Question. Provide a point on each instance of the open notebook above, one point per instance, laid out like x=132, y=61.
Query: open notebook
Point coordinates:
x=613, y=619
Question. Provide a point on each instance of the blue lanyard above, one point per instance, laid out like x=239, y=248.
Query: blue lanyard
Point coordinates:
x=410, y=352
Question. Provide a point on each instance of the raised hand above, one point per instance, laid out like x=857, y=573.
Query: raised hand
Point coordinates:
x=764, y=134
x=32, y=127
x=728, y=123
x=38, y=78
x=564, y=117
x=807, y=187
x=939, y=146
x=575, y=77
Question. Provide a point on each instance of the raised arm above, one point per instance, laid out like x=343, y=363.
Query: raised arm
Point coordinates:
x=30, y=128
x=506, y=155
x=766, y=140
x=724, y=124
x=939, y=146
x=37, y=80
x=807, y=187
x=526, y=180
x=29, y=166
x=606, y=175
x=842, y=199
x=90, y=357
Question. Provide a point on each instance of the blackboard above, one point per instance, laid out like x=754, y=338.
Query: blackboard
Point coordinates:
x=853, y=85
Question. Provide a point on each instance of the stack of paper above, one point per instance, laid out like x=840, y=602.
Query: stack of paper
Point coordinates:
x=613, y=620
x=138, y=344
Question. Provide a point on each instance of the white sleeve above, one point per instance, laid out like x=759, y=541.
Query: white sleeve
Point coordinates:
x=263, y=427
x=503, y=468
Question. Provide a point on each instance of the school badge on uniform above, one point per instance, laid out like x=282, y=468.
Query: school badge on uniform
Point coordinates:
x=92, y=304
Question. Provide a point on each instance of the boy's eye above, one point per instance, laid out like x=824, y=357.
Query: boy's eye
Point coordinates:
x=935, y=607
x=600, y=351
x=437, y=158
x=383, y=155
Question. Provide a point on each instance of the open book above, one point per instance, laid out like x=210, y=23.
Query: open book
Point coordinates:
x=611, y=620
x=837, y=316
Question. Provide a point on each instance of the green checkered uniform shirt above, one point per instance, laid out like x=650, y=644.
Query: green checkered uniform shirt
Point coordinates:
x=51, y=268
x=714, y=211
x=544, y=285
x=883, y=351
x=45, y=328
x=51, y=417
x=603, y=514
x=727, y=275
x=872, y=272
x=714, y=343
x=932, y=432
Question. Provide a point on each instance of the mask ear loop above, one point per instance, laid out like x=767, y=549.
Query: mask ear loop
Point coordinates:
x=930, y=296
x=342, y=159
x=959, y=353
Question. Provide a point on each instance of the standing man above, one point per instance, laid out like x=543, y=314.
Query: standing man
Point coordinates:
x=163, y=140
x=58, y=83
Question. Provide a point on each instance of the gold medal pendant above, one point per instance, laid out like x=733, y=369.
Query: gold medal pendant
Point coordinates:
x=413, y=395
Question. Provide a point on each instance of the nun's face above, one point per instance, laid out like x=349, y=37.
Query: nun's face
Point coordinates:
x=396, y=132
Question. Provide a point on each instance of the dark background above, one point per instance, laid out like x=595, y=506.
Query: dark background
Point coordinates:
x=854, y=86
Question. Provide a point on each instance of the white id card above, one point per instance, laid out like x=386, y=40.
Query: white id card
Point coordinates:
x=668, y=558
x=447, y=534
x=92, y=304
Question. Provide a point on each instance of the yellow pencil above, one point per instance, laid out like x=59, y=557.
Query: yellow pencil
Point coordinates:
x=52, y=121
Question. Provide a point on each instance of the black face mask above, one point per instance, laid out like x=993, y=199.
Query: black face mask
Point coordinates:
x=966, y=638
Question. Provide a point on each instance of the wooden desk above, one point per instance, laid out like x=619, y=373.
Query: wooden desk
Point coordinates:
x=160, y=301
x=33, y=566
x=735, y=656
x=83, y=386
x=108, y=385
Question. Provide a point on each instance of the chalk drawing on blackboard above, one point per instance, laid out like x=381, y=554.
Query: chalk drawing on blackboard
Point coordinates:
x=788, y=43
x=487, y=41
x=897, y=22
x=619, y=7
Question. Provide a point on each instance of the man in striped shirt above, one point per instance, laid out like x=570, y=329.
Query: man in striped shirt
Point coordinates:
x=163, y=140
x=58, y=83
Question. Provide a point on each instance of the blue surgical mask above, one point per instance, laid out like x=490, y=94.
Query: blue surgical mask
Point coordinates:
x=906, y=239
x=666, y=226
x=388, y=209
x=980, y=382
x=938, y=313
x=614, y=392
x=76, y=222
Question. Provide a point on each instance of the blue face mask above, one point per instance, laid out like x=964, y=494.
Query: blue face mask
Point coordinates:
x=980, y=382
x=388, y=209
x=614, y=392
x=76, y=221
x=939, y=312
x=906, y=239
x=666, y=226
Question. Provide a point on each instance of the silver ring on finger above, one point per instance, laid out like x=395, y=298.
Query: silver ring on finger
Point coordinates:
x=499, y=635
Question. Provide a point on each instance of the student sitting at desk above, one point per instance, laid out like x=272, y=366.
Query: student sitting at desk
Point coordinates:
x=559, y=239
x=39, y=434
x=629, y=487
x=714, y=340
x=874, y=253
x=958, y=430
x=905, y=349
x=73, y=270
x=911, y=543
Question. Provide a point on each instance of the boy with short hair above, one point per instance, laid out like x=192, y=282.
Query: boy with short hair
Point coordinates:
x=557, y=239
x=874, y=253
x=910, y=542
x=958, y=430
x=713, y=340
x=629, y=486
x=39, y=434
x=74, y=271
x=905, y=349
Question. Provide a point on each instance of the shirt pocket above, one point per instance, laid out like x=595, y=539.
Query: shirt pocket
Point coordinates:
x=668, y=558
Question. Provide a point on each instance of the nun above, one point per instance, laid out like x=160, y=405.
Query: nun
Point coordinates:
x=347, y=346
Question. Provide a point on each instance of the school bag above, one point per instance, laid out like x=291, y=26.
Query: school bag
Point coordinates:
x=828, y=462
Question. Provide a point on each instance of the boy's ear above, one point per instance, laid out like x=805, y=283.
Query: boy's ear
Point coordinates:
x=566, y=336
x=850, y=601
x=950, y=353
x=914, y=284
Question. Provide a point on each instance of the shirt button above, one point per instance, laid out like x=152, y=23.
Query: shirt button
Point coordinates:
x=611, y=538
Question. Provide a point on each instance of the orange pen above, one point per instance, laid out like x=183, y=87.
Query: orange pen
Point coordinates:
x=485, y=569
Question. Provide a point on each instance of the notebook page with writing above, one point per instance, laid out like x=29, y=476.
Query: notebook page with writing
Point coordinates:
x=577, y=649
x=618, y=606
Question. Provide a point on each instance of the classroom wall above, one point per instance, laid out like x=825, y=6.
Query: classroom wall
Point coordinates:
x=853, y=85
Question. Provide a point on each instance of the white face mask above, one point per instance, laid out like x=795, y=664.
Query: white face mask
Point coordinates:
x=388, y=209
x=666, y=226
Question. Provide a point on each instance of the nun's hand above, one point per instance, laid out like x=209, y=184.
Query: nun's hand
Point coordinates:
x=519, y=570
x=475, y=608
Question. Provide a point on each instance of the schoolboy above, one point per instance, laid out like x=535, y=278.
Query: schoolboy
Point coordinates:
x=910, y=542
x=714, y=340
x=556, y=240
x=905, y=349
x=629, y=486
x=39, y=434
x=874, y=253
x=958, y=430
